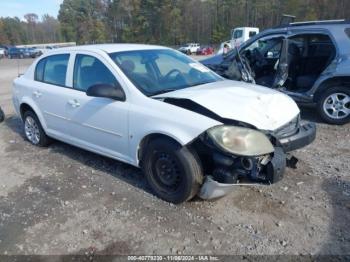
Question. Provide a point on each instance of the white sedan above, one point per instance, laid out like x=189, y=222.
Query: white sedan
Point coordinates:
x=191, y=131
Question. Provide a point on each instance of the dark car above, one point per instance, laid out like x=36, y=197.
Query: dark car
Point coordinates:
x=15, y=52
x=310, y=61
x=33, y=52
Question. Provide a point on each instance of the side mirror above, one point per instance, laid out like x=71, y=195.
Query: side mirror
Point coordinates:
x=107, y=91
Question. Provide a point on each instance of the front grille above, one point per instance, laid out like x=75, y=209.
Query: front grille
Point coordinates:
x=288, y=129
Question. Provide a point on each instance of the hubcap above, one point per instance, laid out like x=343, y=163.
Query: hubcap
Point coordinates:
x=337, y=106
x=32, y=130
x=167, y=172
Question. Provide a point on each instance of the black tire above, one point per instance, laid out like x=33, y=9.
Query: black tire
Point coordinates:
x=324, y=97
x=174, y=172
x=188, y=52
x=43, y=139
x=2, y=115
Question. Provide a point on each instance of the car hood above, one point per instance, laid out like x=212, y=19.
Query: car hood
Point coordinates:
x=213, y=60
x=261, y=107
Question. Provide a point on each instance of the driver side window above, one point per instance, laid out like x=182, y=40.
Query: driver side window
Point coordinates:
x=89, y=71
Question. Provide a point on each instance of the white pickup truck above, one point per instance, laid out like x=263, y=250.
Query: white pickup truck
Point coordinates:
x=190, y=48
x=241, y=34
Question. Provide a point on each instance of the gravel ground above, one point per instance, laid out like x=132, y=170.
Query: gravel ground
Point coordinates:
x=64, y=200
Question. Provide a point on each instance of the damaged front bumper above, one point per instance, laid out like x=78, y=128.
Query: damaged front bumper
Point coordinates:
x=228, y=170
x=305, y=136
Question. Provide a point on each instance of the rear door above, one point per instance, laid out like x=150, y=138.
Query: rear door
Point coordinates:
x=100, y=124
x=50, y=93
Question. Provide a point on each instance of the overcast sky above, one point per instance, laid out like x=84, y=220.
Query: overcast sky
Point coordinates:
x=21, y=7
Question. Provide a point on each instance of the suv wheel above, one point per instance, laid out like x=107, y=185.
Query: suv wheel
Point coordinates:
x=334, y=105
x=173, y=171
x=33, y=130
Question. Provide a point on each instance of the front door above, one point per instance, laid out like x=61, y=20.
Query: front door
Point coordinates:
x=100, y=124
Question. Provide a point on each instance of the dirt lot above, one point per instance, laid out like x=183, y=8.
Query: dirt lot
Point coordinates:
x=64, y=200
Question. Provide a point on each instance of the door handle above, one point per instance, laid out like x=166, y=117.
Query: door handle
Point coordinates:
x=74, y=103
x=37, y=94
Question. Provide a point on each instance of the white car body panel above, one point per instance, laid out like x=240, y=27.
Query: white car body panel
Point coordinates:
x=261, y=107
x=116, y=129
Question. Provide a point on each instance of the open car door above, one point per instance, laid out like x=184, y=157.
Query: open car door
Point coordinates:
x=283, y=67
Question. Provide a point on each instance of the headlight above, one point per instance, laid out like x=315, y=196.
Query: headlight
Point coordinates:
x=241, y=141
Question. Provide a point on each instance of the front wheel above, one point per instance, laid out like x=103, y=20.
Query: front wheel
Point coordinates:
x=174, y=172
x=334, y=105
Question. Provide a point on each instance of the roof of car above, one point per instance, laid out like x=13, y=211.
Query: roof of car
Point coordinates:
x=111, y=48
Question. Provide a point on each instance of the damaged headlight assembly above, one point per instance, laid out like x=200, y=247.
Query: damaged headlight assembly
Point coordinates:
x=247, y=153
x=240, y=141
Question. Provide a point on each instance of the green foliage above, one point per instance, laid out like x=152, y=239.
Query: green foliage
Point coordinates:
x=13, y=31
x=168, y=22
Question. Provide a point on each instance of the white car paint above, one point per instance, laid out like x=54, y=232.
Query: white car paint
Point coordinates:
x=264, y=109
x=117, y=129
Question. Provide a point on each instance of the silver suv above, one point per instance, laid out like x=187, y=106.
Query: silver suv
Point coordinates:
x=309, y=61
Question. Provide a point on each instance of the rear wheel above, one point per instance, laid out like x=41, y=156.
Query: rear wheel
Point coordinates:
x=174, y=172
x=33, y=130
x=334, y=105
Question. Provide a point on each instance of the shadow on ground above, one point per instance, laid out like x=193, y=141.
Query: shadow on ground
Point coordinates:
x=310, y=114
x=338, y=242
x=115, y=168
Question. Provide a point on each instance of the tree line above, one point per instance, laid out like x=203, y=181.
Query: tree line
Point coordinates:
x=30, y=31
x=167, y=22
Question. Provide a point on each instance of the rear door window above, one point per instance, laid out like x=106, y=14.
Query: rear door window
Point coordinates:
x=52, y=70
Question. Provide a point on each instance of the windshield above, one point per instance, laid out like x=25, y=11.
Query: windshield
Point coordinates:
x=159, y=71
